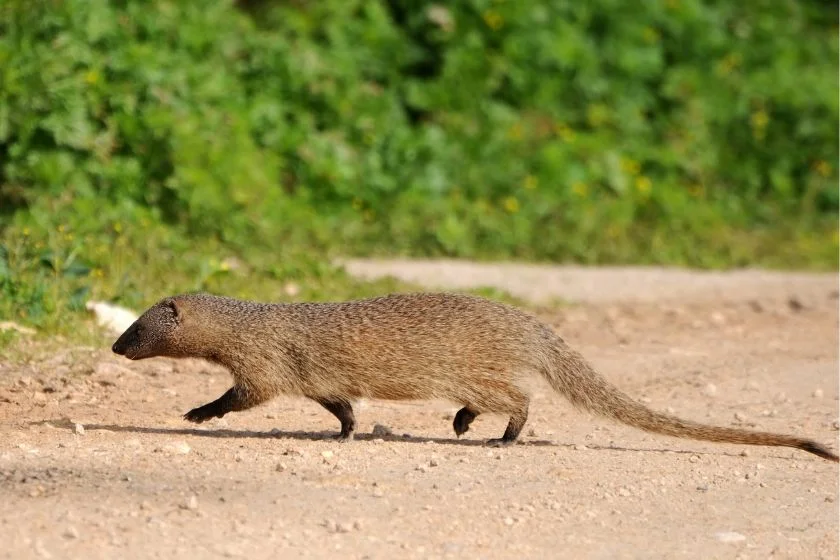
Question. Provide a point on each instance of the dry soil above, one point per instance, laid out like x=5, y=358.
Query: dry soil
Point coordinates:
x=96, y=462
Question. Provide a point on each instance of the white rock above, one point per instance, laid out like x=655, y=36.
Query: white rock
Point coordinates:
x=730, y=536
x=818, y=393
x=78, y=429
x=113, y=317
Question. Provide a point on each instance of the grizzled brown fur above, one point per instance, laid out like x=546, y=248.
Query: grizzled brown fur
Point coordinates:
x=465, y=349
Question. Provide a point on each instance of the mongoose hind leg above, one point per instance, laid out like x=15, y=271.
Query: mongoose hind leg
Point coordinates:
x=231, y=401
x=515, y=425
x=463, y=419
x=342, y=410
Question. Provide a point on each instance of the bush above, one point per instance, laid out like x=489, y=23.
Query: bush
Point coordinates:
x=699, y=132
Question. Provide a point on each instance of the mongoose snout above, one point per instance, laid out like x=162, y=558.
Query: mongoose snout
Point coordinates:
x=465, y=349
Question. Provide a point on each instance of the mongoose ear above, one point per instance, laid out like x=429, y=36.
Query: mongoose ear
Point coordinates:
x=177, y=310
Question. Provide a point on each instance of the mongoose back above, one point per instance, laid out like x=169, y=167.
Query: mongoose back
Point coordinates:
x=465, y=349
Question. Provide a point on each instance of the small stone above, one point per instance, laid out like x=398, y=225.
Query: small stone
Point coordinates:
x=281, y=467
x=327, y=454
x=836, y=425
x=623, y=492
x=710, y=390
x=818, y=393
x=378, y=493
x=190, y=503
x=421, y=468
x=357, y=525
x=744, y=453
x=694, y=459
x=78, y=429
x=343, y=527
x=795, y=304
x=380, y=430
x=179, y=447
x=433, y=462
x=291, y=289
x=718, y=318
x=71, y=533
x=579, y=447
x=730, y=536
x=508, y=521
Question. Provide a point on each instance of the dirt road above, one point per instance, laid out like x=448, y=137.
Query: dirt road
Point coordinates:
x=95, y=461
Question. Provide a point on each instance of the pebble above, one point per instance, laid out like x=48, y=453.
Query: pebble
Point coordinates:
x=180, y=447
x=79, y=429
x=730, y=536
x=380, y=430
x=623, y=492
x=433, y=462
x=818, y=393
x=508, y=521
x=327, y=454
x=190, y=503
x=710, y=390
x=579, y=447
x=740, y=417
x=378, y=493
x=71, y=533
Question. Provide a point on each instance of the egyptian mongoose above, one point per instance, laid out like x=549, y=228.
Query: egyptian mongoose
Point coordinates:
x=465, y=349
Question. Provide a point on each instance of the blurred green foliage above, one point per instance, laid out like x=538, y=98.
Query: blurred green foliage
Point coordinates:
x=692, y=132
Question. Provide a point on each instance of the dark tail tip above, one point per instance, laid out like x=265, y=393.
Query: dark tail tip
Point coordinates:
x=817, y=449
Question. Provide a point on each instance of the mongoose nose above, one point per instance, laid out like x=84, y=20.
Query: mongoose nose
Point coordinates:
x=116, y=349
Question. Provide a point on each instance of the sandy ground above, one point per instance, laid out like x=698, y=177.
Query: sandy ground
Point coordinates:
x=96, y=462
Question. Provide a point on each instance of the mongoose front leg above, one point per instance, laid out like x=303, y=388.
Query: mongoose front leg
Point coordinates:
x=229, y=402
x=463, y=419
x=515, y=425
x=344, y=412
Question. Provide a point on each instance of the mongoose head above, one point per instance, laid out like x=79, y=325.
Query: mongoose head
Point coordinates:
x=154, y=333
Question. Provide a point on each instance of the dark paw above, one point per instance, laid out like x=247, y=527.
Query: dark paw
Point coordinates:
x=462, y=421
x=197, y=415
x=344, y=437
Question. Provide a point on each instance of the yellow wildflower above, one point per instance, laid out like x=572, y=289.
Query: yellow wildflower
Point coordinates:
x=822, y=167
x=580, y=188
x=494, y=20
x=530, y=182
x=630, y=166
x=511, y=205
x=643, y=185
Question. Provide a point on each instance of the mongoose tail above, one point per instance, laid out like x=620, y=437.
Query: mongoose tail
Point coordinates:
x=571, y=375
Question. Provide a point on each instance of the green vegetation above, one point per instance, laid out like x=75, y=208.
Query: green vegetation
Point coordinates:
x=161, y=146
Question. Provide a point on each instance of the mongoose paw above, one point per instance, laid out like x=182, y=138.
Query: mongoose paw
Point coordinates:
x=343, y=438
x=462, y=421
x=197, y=416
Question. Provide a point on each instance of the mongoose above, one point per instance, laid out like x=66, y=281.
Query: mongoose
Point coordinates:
x=465, y=349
